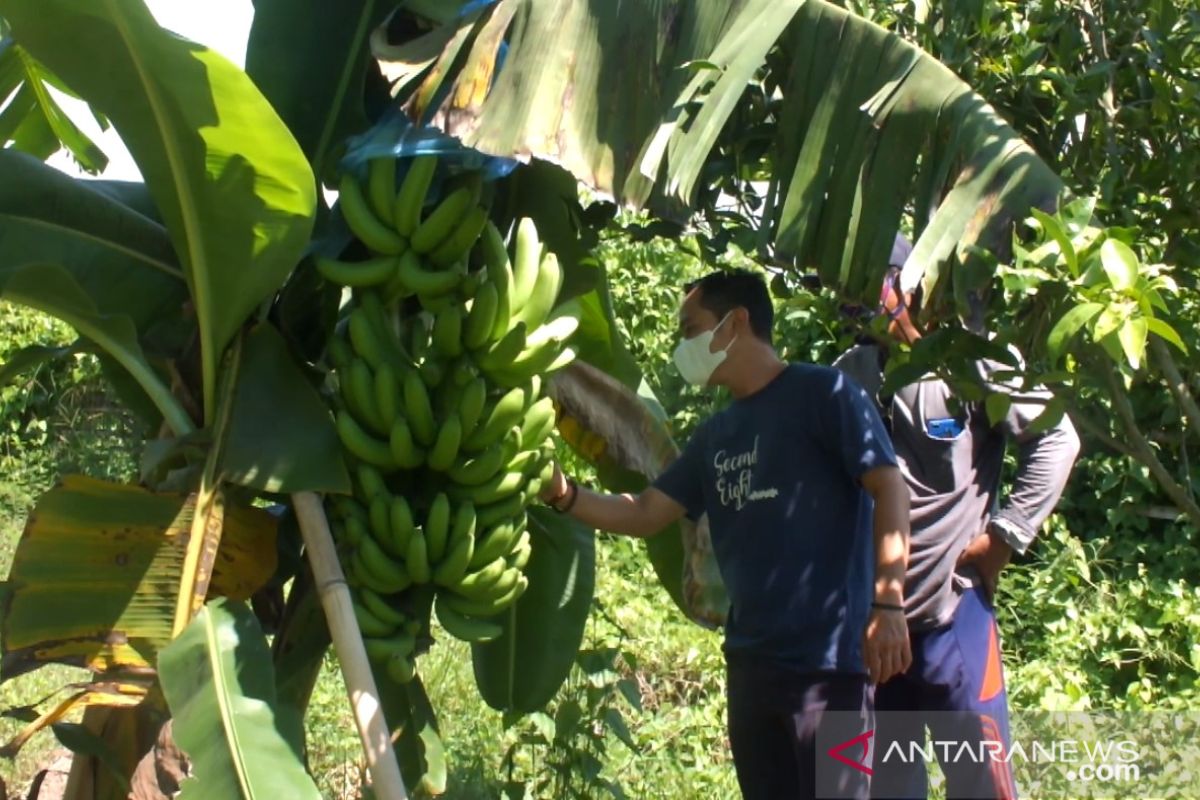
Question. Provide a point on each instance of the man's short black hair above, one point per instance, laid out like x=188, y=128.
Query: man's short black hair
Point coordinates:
x=722, y=292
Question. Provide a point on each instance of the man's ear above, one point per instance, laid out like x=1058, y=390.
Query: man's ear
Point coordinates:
x=742, y=314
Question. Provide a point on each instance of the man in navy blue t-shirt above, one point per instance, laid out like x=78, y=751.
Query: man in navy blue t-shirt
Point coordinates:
x=809, y=521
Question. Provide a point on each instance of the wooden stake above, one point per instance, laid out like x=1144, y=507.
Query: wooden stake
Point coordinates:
x=348, y=645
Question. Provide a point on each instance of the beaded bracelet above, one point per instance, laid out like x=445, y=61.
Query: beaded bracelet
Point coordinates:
x=887, y=606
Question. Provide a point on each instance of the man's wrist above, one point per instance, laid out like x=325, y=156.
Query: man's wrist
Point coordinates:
x=570, y=494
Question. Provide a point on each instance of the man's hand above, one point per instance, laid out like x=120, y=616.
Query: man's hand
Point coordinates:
x=886, y=648
x=554, y=488
x=988, y=554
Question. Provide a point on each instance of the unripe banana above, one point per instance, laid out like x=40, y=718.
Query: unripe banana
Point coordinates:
x=519, y=557
x=417, y=409
x=503, y=485
x=361, y=445
x=441, y=221
x=366, y=340
x=406, y=212
x=464, y=628
x=377, y=515
x=448, y=332
x=489, y=515
x=339, y=352
x=432, y=373
x=543, y=361
x=406, y=453
x=356, y=530
x=387, y=397
x=381, y=186
x=543, y=294
x=539, y=421
x=465, y=372
x=471, y=405
x=370, y=482
x=463, y=525
x=454, y=565
x=390, y=575
x=401, y=669
x=504, y=351
x=358, y=389
x=481, y=468
x=479, y=584
x=377, y=605
x=363, y=222
x=471, y=282
x=437, y=528
x=416, y=279
x=417, y=558
x=495, y=256
x=525, y=264
x=358, y=274
x=401, y=526
x=489, y=607
x=358, y=575
x=382, y=649
x=369, y=624
x=504, y=415
x=445, y=448
x=498, y=543
x=461, y=239
x=477, y=331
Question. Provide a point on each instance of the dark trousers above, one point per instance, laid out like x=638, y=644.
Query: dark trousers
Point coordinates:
x=955, y=688
x=775, y=716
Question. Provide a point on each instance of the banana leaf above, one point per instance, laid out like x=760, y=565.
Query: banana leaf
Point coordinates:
x=122, y=260
x=32, y=119
x=220, y=686
x=272, y=402
x=233, y=187
x=310, y=58
x=867, y=125
x=521, y=670
x=95, y=574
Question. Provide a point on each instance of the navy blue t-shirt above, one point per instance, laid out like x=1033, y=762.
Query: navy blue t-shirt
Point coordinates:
x=778, y=474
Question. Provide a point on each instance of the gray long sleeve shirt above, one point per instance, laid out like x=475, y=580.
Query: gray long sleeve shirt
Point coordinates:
x=952, y=458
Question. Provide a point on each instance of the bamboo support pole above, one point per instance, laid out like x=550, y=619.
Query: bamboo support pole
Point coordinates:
x=348, y=645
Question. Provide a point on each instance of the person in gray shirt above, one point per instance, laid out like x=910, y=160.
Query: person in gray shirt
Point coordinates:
x=963, y=534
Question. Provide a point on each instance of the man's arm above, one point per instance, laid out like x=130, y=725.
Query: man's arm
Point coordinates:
x=1044, y=462
x=886, y=650
x=639, y=515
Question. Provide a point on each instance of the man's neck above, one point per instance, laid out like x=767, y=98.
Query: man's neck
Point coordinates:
x=758, y=367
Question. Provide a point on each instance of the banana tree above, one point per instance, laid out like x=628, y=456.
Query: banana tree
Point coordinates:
x=199, y=289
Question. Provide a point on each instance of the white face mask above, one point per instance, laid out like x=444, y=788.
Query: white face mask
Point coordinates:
x=695, y=362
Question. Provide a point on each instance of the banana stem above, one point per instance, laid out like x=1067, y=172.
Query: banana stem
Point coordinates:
x=347, y=643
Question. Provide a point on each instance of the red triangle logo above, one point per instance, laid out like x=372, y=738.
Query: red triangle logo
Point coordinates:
x=859, y=764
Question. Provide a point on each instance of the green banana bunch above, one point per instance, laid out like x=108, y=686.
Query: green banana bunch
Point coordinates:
x=440, y=406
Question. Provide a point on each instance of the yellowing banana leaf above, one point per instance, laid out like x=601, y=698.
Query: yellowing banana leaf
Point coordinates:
x=95, y=575
x=233, y=187
x=624, y=435
x=220, y=686
x=105, y=694
x=521, y=670
x=867, y=127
